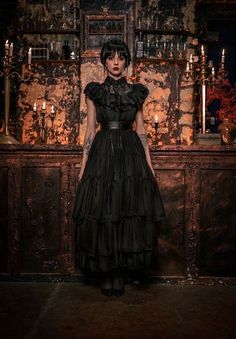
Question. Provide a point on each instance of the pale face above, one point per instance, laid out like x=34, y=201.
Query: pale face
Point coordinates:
x=115, y=65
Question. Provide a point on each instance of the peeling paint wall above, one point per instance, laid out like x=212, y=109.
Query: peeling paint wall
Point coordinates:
x=57, y=85
x=62, y=85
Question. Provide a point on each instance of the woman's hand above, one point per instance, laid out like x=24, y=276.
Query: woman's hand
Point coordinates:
x=153, y=172
x=81, y=172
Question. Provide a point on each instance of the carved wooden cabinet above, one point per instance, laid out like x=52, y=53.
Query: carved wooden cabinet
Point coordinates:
x=198, y=187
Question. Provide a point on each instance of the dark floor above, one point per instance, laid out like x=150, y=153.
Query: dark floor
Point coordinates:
x=73, y=310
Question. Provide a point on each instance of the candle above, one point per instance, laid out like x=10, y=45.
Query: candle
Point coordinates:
x=213, y=71
x=29, y=56
x=6, y=48
x=11, y=50
x=223, y=56
x=187, y=68
x=156, y=118
x=210, y=63
x=202, y=50
x=191, y=59
x=35, y=107
x=204, y=108
x=44, y=105
x=52, y=109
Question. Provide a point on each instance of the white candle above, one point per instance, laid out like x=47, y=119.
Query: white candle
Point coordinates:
x=187, y=67
x=202, y=50
x=203, y=108
x=191, y=59
x=6, y=48
x=11, y=50
x=213, y=71
x=35, y=107
x=44, y=105
x=210, y=63
x=52, y=109
x=223, y=56
x=29, y=56
x=156, y=118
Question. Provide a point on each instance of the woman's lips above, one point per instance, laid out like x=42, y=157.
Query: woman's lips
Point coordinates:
x=116, y=68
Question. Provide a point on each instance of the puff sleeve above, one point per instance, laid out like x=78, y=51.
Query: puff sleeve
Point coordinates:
x=140, y=94
x=91, y=89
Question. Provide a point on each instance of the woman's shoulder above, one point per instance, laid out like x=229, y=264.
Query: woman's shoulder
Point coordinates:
x=140, y=88
x=139, y=93
x=91, y=89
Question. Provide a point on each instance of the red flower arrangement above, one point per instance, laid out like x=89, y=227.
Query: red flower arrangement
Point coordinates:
x=226, y=94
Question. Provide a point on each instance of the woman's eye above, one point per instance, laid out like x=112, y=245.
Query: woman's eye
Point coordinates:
x=110, y=58
x=121, y=58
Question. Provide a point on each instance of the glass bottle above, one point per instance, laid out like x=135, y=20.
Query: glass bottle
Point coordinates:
x=66, y=51
x=140, y=46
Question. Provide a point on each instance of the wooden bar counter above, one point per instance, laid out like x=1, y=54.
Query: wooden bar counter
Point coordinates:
x=196, y=242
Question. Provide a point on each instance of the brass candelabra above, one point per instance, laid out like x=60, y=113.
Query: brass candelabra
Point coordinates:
x=40, y=120
x=204, y=74
x=8, y=73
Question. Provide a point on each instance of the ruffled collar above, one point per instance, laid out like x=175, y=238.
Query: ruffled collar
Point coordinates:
x=111, y=81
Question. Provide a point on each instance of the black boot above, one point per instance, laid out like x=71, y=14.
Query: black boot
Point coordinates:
x=118, y=283
x=106, y=284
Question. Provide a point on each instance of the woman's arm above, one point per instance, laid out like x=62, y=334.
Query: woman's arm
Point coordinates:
x=89, y=133
x=141, y=131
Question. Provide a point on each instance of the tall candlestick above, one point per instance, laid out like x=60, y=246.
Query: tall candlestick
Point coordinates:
x=6, y=48
x=11, y=50
x=210, y=63
x=191, y=59
x=203, y=108
x=202, y=50
x=223, y=56
x=187, y=67
x=29, y=56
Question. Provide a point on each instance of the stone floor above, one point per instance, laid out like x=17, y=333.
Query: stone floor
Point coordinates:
x=71, y=310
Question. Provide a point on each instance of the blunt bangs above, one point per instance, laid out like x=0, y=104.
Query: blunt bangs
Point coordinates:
x=113, y=46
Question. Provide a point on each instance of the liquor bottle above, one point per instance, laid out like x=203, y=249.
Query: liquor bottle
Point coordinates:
x=140, y=46
x=147, y=48
x=66, y=51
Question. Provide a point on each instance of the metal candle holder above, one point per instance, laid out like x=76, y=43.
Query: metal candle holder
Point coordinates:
x=40, y=123
x=8, y=73
x=156, y=124
x=43, y=125
x=199, y=72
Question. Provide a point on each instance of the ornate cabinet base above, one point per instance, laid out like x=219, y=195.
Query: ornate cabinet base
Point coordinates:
x=196, y=242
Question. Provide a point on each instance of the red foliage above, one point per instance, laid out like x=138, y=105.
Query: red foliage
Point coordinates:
x=226, y=93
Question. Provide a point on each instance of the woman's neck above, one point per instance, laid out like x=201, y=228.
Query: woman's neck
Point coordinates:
x=115, y=77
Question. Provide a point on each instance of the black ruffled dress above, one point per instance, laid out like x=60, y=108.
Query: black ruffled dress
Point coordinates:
x=118, y=203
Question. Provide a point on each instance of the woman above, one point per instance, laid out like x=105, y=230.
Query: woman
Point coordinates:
x=118, y=203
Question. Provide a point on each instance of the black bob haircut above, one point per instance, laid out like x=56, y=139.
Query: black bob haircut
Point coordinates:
x=111, y=47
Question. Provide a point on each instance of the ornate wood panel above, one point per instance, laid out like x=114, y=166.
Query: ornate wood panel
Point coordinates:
x=40, y=219
x=217, y=222
x=3, y=217
x=171, y=232
x=197, y=184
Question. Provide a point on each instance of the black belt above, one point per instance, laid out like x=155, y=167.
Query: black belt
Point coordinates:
x=116, y=125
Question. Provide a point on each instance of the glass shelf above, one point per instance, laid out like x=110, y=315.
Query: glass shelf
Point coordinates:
x=163, y=32
x=158, y=61
x=52, y=31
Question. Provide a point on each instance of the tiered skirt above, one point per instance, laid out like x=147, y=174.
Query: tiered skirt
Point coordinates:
x=117, y=205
